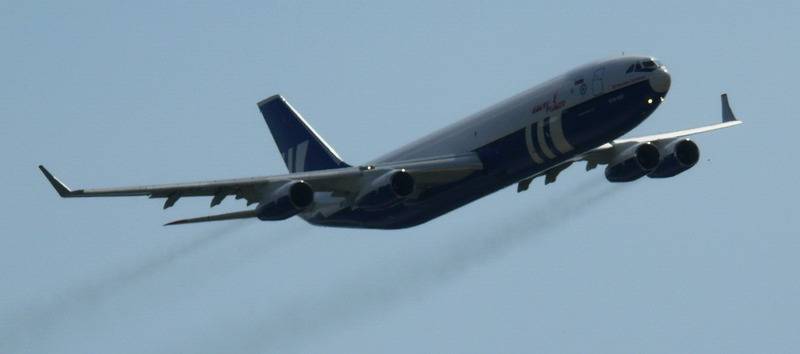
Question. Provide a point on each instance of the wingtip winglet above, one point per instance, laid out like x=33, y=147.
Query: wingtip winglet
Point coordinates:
x=60, y=187
x=727, y=112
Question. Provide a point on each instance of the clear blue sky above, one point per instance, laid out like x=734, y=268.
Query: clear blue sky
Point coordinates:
x=152, y=92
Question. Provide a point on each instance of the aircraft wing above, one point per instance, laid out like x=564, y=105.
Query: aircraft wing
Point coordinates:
x=605, y=153
x=342, y=181
x=247, y=188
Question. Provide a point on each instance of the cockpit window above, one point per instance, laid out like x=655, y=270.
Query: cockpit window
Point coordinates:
x=645, y=66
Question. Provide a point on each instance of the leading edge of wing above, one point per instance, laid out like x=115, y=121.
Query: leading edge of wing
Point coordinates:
x=679, y=134
x=323, y=180
x=66, y=192
x=191, y=188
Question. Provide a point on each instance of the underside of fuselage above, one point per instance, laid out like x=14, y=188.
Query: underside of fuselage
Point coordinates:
x=525, y=152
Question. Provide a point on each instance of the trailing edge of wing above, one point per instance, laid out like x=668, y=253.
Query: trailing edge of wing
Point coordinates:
x=227, y=216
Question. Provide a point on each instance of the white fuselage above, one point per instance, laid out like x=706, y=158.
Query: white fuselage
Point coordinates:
x=517, y=112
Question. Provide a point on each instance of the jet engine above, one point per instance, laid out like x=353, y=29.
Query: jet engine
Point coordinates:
x=679, y=156
x=633, y=163
x=286, y=201
x=386, y=190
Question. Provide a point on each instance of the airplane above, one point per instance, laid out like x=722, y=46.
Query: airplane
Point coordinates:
x=577, y=116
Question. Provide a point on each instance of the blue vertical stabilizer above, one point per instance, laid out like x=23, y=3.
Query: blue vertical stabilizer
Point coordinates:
x=301, y=147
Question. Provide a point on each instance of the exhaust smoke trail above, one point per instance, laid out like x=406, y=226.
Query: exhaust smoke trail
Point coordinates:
x=37, y=322
x=377, y=291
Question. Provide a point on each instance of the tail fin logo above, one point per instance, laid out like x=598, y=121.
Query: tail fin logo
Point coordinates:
x=295, y=157
x=300, y=146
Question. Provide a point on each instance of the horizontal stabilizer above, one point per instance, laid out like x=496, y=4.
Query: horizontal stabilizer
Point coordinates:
x=227, y=216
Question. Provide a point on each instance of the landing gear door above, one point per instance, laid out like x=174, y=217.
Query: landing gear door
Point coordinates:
x=598, y=87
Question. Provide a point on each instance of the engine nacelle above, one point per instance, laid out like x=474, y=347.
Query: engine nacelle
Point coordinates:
x=633, y=163
x=386, y=190
x=679, y=156
x=286, y=201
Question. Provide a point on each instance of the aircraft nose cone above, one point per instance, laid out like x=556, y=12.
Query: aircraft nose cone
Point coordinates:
x=660, y=80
